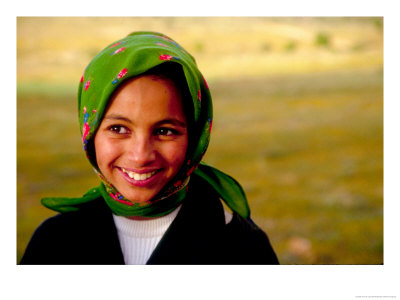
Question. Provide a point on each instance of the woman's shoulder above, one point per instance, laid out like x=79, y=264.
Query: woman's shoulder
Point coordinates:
x=79, y=219
x=244, y=237
x=238, y=240
x=76, y=237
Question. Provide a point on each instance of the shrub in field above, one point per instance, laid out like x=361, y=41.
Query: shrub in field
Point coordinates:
x=323, y=39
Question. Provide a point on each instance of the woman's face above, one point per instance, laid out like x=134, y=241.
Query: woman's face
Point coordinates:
x=142, y=140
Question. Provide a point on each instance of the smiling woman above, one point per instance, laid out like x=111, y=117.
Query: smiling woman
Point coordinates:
x=145, y=114
x=141, y=143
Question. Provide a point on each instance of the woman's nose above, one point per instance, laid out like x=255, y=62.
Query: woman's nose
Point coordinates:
x=140, y=150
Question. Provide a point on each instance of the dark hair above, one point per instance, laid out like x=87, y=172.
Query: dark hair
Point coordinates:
x=175, y=72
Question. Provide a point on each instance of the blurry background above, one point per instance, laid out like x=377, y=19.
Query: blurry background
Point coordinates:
x=298, y=122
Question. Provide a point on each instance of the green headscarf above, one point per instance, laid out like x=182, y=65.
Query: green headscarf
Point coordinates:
x=131, y=56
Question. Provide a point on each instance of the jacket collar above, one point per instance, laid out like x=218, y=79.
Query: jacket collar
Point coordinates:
x=193, y=236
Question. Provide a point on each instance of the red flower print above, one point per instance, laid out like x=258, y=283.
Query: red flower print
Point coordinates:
x=178, y=183
x=199, y=95
x=211, y=123
x=120, y=200
x=82, y=79
x=205, y=83
x=118, y=50
x=165, y=38
x=165, y=57
x=85, y=131
x=116, y=44
x=191, y=170
x=87, y=85
x=161, y=44
x=122, y=73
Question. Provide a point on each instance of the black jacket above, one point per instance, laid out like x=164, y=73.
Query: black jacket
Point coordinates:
x=198, y=235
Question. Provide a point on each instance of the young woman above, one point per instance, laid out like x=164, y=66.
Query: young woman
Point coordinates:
x=145, y=112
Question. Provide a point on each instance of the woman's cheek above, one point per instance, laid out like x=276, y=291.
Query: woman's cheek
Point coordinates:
x=177, y=152
x=107, y=150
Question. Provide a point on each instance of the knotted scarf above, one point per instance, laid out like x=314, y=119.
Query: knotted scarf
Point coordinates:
x=131, y=56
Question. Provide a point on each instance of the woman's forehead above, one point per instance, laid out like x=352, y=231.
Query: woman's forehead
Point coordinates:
x=148, y=97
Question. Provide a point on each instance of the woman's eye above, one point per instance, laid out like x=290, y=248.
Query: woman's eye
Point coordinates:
x=165, y=131
x=118, y=129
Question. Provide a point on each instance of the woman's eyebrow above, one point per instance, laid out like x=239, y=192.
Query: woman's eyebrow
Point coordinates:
x=117, y=117
x=172, y=121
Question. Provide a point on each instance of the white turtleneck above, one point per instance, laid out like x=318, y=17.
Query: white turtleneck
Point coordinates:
x=139, y=238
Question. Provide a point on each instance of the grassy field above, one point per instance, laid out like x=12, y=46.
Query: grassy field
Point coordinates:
x=298, y=121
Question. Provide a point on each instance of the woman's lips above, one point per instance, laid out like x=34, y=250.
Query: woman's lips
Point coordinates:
x=140, y=178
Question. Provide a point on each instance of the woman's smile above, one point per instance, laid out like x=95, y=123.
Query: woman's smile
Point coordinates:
x=138, y=176
x=141, y=179
x=141, y=143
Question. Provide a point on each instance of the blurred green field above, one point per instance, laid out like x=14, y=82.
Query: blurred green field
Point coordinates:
x=298, y=121
x=310, y=158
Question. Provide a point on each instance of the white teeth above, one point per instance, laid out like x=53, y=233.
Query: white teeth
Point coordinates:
x=138, y=176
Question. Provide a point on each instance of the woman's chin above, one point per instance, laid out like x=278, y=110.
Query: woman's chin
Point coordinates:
x=139, y=197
